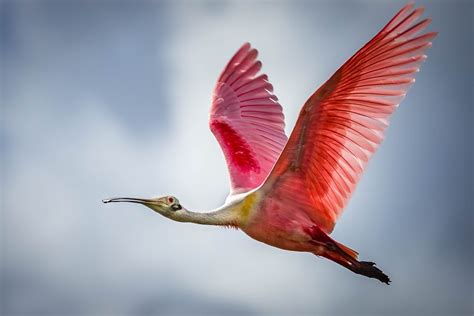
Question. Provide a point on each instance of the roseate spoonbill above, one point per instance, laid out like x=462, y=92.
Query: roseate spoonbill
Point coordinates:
x=288, y=193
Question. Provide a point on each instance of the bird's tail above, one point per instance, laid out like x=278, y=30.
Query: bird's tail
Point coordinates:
x=345, y=256
x=365, y=268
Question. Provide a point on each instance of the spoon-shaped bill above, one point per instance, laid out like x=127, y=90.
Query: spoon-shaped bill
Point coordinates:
x=129, y=200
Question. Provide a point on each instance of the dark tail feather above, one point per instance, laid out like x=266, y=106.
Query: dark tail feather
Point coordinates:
x=344, y=256
x=365, y=268
x=370, y=270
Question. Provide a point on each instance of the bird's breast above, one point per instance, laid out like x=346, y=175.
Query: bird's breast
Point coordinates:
x=267, y=223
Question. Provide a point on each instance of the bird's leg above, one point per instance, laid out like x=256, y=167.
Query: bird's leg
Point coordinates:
x=343, y=255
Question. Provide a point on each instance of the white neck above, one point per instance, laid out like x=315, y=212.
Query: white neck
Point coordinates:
x=232, y=213
x=220, y=218
x=229, y=214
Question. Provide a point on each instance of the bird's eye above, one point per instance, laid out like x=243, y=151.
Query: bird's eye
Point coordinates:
x=176, y=207
x=170, y=200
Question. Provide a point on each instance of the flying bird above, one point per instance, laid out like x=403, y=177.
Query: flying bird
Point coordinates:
x=289, y=192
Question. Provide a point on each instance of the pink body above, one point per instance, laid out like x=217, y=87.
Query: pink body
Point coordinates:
x=275, y=224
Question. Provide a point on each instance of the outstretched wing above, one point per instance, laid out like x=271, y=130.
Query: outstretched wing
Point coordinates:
x=247, y=121
x=343, y=122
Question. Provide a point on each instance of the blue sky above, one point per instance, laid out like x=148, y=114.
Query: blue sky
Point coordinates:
x=111, y=98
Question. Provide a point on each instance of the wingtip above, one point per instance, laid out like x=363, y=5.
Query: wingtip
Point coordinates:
x=246, y=46
x=248, y=50
x=407, y=8
x=420, y=10
x=253, y=53
x=434, y=34
x=410, y=5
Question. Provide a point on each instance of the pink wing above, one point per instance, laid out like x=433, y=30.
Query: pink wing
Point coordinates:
x=343, y=122
x=247, y=121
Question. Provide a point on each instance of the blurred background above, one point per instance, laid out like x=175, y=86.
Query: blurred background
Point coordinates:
x=111, y=98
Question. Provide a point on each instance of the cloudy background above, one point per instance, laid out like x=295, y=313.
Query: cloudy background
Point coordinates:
x=111, y=98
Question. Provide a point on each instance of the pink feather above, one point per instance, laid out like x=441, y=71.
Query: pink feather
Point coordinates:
x=247, y=121
x=342, y=124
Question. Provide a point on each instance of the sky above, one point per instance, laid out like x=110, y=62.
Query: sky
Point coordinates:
x=111, y=98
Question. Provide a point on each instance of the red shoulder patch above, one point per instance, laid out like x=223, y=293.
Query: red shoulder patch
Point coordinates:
x=241, y=155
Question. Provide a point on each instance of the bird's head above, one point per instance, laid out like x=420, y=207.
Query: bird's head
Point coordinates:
x=167, y=206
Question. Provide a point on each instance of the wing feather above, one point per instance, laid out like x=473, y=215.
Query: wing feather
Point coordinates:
x=342, y=124
x=247, y=120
